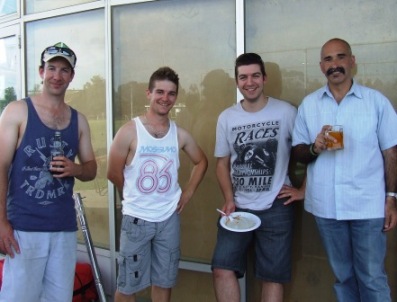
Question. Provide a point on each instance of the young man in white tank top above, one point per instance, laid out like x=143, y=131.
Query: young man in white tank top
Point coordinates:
x=143, y=165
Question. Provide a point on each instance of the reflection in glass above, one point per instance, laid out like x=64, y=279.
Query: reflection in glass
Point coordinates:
x=197, y=40
x=37, y=6
x=297, y=52
x=8, y=7
x=8, y=70
x=377, y=67
x=86, y=93
x=290, y=43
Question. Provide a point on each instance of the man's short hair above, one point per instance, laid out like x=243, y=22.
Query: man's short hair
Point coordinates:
x=249, y=59
x=164, y=73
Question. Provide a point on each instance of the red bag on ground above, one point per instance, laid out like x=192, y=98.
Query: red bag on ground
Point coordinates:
x=84, y=284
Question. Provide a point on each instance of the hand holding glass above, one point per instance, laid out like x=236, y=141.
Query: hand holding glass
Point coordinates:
x=334, y=137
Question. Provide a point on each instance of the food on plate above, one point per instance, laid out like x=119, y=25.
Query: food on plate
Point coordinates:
x=239, y=222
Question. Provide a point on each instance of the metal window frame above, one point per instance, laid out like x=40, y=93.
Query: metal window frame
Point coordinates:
x=16, y=23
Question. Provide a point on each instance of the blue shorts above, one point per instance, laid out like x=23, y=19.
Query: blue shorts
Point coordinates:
x=43, y=271
x=273, y=241
x=149, y=254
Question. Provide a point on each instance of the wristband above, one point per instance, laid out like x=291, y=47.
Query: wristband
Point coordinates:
x=312, y=152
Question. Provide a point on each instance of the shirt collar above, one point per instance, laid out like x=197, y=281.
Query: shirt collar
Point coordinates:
x=354, y=91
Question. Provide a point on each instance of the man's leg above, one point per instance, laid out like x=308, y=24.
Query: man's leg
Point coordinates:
x=165, y=256
x=165, y=259
x=272, y=292
x=160, y=294
x=134, y=259
x=273, y=244
x=369, y=248
x=336, y=238
x=60, y=269
x=229, y=263
x=119, y=297
x=226, y=286
x=23, y=274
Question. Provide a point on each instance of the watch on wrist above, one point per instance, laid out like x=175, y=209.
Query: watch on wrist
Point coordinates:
x=391, y=194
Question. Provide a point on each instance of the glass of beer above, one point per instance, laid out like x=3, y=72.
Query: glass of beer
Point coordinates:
x=334, y=137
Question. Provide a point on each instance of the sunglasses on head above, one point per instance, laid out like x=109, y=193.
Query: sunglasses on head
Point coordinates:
x=54, y=49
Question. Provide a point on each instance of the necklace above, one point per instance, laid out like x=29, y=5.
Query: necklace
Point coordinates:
x=157, y=132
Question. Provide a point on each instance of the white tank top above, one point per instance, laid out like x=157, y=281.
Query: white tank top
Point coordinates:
x=151, y=190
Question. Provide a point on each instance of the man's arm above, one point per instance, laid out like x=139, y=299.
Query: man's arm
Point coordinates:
x=307, y=153
x=390, y=162
x=302, y=154
x=86, y=153
x=12, y=121
x=293, y=194
x=225, y=183
x=198, y=158
x=120, y=153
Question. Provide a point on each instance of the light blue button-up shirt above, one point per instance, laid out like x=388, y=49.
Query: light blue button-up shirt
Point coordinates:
x=347, y=184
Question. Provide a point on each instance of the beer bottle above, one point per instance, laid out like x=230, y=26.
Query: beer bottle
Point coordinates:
x=57, y=149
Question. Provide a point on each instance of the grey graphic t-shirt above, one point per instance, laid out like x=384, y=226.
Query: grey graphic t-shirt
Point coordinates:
x=259, y=148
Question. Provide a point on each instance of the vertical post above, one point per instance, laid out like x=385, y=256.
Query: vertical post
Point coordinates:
x=90, y=249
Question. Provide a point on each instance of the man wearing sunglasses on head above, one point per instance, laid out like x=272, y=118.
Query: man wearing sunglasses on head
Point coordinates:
x=37, y=215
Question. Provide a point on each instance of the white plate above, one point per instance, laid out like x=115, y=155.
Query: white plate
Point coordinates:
x=244, y=222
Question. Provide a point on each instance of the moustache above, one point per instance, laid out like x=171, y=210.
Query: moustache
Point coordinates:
x=336, y=69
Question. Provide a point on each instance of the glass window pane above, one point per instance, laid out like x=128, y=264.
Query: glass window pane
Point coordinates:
x=294, y=48
x=86, y=93
x=37, y=6
x=9, y=68
x=290, y=43
x=197, y=40
x=8, y=7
